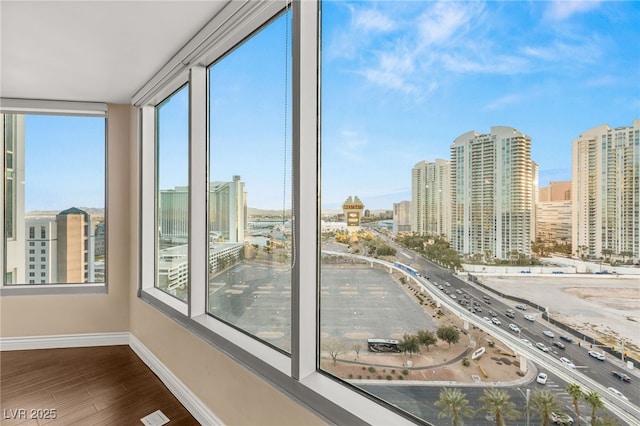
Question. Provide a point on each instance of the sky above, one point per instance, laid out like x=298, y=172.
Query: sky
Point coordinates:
x=400, y=81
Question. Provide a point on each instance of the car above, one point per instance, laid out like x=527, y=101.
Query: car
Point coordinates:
x=542, y=347
x=514, y=328
x=542, y=378
x=521, y=307
x=440, y=287
x=548, y=334
x=458, y=291
x=447, y=283
x=496, y=321
x=621, y=376
x=561, y=419
x=527, y=342
x=560, y=345
x=477, y=308
x=567, y=362
x=487, y=319
x=529, y=317
x=453, y=296
x=566, y=339
x=597, y=355
x=617, y=393
x=510, y=315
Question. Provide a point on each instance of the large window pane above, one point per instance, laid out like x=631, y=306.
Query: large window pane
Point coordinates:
x=249, y=217
x=470, y=150
x=172, y=197
x=54, y=209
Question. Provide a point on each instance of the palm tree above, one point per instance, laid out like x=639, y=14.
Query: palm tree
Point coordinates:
x=453, y=404
x=543, y=402
x=576, y=393
x=594, y=400
x=496, y=402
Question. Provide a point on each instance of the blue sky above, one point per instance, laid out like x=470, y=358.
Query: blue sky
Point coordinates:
x=402, y=80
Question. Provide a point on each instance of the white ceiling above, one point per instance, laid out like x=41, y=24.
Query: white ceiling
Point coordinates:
x=93, y=51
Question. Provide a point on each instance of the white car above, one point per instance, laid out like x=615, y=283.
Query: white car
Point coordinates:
x=567, y=362
x=542, y=378
x=453, y=296
x=529, y=317
x=487, y=319
x=617, y=393
x=596, y=355
x=496, y=321
x=548, y=334
x=561, y=419
x=542, y=347
x=514, y=328
x=527, y=342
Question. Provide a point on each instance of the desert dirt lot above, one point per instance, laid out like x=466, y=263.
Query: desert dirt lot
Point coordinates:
x=604, y=307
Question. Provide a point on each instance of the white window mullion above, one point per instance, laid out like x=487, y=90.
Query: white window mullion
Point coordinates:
x=147, y=136
x=198, y=189
x=304, y=310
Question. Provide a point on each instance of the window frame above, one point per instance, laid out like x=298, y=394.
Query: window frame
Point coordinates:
x=61, y=108
x=298, y=374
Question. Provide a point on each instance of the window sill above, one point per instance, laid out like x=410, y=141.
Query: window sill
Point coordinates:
x=53, y=289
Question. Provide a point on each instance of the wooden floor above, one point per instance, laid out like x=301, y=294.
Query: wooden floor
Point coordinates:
x=106, y=385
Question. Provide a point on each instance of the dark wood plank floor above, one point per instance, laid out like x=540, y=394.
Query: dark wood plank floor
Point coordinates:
x=106, y=385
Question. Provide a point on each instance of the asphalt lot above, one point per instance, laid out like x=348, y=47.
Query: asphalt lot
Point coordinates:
x=357, y=302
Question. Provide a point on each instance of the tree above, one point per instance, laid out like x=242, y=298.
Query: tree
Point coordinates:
x=607, y=420
x=496, y=402
x=543, y=403
x=409, y=344
x=449, y=334
x=426, y=338
x=576, y=393
x=334, y=347
x=595, y=402
x=454, y=404
x=357, y=347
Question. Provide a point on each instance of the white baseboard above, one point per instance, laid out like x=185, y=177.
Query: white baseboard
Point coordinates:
x=63, y=341
x=190, y=401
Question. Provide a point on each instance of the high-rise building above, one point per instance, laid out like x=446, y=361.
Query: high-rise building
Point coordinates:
x=606, y=192
x=430, y=197
x=41, y=250
x=227, y=213
x=75, y=252
x=228, y=210
x=12, y=126
x=492, y=183
x=553, y=213
x=401, y=217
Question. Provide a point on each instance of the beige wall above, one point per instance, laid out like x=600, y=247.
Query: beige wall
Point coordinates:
x=95, y=313
x=234, y=394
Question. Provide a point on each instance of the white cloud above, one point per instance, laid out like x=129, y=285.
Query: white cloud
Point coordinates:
x=445, y=20
x=562, y=9
x=371, y=20
x=504, y=101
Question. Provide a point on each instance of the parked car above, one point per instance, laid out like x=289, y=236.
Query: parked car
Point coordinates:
x=567, y=362
x=548, y=334
x=596, y=355
x=542, y=347
x=617, y=393
x=542, y=378
x=560, y=345
x=621, y=376
x=561, y=419
x=566, y=339
x=514, y=328
x=529, y=318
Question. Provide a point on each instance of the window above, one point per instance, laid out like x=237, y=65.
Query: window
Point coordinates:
x=396, y=124
x=172, y=197
x=250, y=186
x=40, y=196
